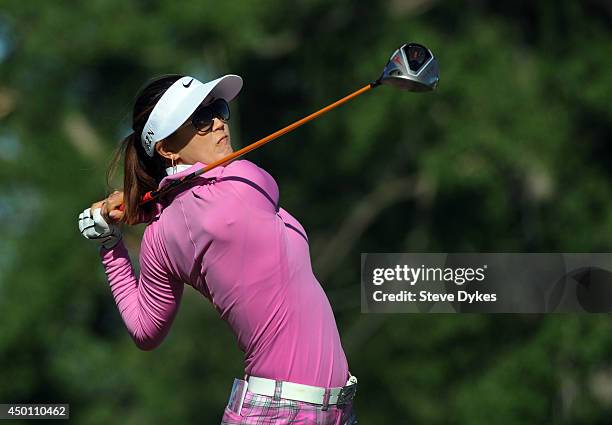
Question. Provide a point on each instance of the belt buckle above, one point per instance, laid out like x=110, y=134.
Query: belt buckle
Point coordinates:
x=347, y=393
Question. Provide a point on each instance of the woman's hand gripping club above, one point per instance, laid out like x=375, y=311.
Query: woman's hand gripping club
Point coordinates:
x=101, y=221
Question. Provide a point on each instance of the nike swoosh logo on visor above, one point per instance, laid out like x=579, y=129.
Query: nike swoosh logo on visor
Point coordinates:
x=188, y=84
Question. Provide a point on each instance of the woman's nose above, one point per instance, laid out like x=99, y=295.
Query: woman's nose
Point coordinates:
x=217, y=124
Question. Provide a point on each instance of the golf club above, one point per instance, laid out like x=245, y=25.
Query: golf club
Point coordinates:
x=412, y=67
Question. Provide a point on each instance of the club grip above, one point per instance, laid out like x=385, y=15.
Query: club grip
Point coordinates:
x=147, y=197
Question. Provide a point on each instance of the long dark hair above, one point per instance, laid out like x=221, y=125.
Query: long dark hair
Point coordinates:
x=142, y=173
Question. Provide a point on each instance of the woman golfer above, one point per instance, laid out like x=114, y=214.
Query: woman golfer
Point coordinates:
x=224, y=234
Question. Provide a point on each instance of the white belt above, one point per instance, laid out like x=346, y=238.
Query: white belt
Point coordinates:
x=293, y=391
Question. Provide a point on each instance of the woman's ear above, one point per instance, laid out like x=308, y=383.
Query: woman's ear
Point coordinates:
x=163, y=151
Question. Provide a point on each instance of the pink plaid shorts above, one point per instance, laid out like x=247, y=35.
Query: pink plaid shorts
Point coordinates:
x=264, y=410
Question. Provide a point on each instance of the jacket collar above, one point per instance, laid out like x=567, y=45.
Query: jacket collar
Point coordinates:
x=177, y=168
x=215, y=172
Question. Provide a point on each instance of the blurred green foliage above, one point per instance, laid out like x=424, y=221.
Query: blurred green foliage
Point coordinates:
x=510, y=154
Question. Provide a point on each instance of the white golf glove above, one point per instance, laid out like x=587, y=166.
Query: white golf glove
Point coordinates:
x=93, y=226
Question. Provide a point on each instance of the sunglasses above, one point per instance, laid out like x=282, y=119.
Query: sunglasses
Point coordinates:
x=202, y=118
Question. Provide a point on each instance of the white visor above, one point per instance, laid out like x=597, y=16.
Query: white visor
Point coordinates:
x=180, y=101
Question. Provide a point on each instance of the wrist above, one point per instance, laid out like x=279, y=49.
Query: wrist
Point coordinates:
x=110, y=241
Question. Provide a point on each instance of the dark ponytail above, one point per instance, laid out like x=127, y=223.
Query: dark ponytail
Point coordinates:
x=142, y=173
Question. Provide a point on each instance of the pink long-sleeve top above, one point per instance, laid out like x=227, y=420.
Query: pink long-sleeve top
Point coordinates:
x=226, y=236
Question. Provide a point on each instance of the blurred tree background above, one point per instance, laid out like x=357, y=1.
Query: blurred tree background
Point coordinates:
x=511, y=153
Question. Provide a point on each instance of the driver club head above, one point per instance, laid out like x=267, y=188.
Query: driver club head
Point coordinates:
x=412, y=67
